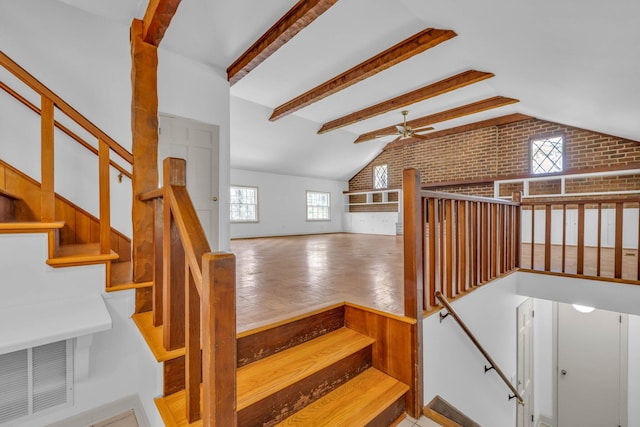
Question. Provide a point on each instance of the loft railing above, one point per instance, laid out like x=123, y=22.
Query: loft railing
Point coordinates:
x=454, y=243
x=493, y=365
x=105, y=145
x=194, y=300
x=584, y=237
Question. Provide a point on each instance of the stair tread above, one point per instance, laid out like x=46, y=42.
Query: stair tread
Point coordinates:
x=153, y=336
x=271, y=374
x=349, y=404
x=30, y=226
x=85, y=253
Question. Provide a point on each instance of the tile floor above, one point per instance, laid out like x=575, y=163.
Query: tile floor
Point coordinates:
x=421, y=422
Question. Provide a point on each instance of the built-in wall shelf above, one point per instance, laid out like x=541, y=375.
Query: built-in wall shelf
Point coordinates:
x=377, y=197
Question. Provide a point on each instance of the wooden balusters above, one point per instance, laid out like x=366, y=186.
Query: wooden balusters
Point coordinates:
x=193, y=360
x=105, y=197
x=47, y=209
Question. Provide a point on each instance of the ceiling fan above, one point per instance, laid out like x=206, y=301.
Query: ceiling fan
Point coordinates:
x=403, y=131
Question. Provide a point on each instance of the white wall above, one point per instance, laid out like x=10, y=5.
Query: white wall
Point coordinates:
x=634, y=371
x=543, y=358
x=371, y=222
x=282, y=204
x=607, y=233
x=454, y=368
x=199, y=92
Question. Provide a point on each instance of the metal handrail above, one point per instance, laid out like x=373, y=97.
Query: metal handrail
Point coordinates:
x=450, y=311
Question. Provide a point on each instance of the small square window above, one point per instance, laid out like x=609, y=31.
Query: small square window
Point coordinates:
x=244, y=204
x=318, y=206
x=547, y=154
x=380, y=176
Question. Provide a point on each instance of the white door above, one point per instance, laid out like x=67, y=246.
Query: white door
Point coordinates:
x=198, y=144
x=589, y=368
x=525, y=363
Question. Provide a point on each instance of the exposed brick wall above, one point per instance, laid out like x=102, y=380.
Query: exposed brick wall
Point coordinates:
x=502, y=151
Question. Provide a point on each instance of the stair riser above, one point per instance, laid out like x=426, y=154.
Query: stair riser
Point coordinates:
x=389, y=415
x=283, y=404
x=7, y=209
x=256, y=346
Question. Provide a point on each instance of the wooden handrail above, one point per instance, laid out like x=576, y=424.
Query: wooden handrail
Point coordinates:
x=569, y=202
x=197, y=292
x=453, y=196
x=451, y=311
x=67, y=109
x=62, y=127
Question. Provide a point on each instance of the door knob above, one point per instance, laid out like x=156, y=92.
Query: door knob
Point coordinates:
x=563, y=372
x=215, y=199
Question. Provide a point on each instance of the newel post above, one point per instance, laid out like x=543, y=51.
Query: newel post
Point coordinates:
x=48, y=200
x=173, y=272
x=517, y=198
x=414, y=283
x=219, y=339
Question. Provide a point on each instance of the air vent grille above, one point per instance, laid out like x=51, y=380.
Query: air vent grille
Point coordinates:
x=35, y=379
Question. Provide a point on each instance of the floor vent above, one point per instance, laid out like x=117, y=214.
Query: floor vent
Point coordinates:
x=35, y=380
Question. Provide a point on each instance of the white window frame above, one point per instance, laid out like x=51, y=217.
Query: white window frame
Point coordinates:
x=532, y=152
x=327, y=206
x=375, y=176
x=241, y=221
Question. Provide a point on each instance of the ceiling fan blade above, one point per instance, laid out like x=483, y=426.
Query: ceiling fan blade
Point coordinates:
x=400, y=128
x=418, y=136
x=423, y=128
x=396, y=139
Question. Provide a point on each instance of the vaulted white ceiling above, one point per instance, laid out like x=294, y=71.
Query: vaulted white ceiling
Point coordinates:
x=573, y=62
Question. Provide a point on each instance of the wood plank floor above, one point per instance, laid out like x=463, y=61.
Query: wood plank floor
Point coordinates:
x=279, y=277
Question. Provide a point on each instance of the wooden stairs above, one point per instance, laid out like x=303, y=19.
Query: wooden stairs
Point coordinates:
x=313, y=370
x=72, y=238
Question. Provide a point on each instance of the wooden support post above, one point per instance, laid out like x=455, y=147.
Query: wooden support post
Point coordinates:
x=144, y=125
x=618, y=245
x=48, y=200
x=430, y=286
x=219, y=339
x=193, y=359
x=448, y=253
x=105, y=197
x=414, y=281
x=599, y=237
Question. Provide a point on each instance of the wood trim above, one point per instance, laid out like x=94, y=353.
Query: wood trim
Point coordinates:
x=295, y=20
x=453, y=113
x=497, y=121
x=406, y=49
x=441, y=87
x=62, y=127
x=67, y=109
x=157, y=18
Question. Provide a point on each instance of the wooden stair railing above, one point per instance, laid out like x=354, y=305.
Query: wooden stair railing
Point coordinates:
x=105, y=145
x=194, y=300
x=466, y=240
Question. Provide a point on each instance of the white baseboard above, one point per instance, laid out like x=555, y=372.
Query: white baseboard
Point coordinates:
x=107, y=411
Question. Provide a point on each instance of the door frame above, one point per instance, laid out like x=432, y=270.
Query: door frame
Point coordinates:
x=519, y=354
x=624, y=365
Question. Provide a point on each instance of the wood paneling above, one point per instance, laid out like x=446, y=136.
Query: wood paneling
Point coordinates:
x=441, y=87
x=404, y=50
x=393, y=350
x=453, y=113
x=295, y=20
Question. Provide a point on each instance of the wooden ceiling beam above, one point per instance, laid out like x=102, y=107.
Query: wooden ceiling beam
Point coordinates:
x=294, y=21
x=406, y=49
x=454, y=113
x=496, y=121
x=443, y=86
x=157, y=18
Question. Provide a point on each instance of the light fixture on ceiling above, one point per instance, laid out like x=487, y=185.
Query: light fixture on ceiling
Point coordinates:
x=583, y=308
